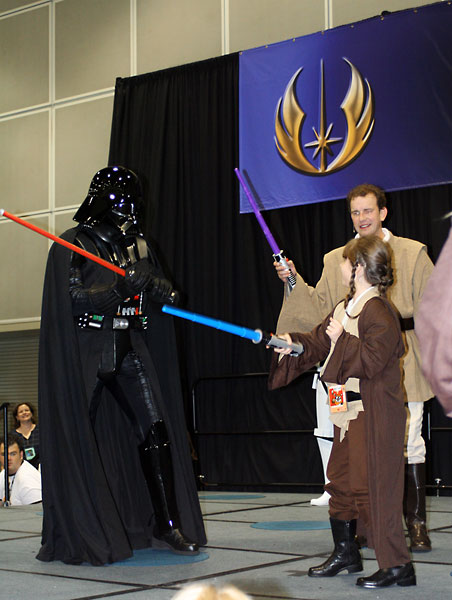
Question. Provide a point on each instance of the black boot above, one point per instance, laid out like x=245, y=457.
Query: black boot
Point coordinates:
x=155, y=454
x=414, y=508
x=402, y=575
x=346, y=555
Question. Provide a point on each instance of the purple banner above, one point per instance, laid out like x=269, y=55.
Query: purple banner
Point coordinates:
x=367, y=102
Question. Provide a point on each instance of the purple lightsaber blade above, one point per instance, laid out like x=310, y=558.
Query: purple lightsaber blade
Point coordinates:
x=277, y=252
x=270, y=239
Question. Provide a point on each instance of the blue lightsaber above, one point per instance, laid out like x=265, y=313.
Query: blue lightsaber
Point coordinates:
x=255, y=335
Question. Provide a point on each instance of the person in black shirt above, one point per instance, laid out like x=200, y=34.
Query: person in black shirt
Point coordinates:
x=26, y=427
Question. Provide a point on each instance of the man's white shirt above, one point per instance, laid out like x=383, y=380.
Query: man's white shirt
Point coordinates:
x=25, y=485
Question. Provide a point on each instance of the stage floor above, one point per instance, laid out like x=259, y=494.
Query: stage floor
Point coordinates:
x=262, y=543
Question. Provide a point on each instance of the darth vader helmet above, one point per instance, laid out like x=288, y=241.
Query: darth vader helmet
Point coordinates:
x=114, y=196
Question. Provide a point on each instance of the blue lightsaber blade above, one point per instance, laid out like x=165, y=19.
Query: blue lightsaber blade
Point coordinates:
x=255, y=335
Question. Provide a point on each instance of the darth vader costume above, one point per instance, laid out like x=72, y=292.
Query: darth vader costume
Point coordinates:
x=116, y=467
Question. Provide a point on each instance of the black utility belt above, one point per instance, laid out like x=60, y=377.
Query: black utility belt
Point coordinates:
x=406, y=324
x=350, y=395
x=93, y=321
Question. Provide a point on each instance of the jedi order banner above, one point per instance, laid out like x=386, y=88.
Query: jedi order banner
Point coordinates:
x=369, y=102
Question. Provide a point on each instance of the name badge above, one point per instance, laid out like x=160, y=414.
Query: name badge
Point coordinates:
x=337, y=398
x=30, y=453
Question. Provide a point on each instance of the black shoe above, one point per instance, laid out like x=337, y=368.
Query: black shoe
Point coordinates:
x=419, y=540
x=175, y=541
x=402, y=575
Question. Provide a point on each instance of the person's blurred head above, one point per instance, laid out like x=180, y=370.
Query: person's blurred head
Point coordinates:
x=15, y=453
x=23, y=412
x=203, y=591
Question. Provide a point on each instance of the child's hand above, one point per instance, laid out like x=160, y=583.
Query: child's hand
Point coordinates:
x=334, y=330
x=284, y=336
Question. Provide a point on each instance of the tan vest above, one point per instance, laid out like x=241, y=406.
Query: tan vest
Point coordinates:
x=349, y=320
x=350, y=324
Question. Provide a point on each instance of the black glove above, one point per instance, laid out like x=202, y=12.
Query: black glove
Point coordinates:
x=141, y=276
x=138, y=276
x=161, y=290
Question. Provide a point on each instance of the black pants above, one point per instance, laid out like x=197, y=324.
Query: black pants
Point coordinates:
x=122, y=372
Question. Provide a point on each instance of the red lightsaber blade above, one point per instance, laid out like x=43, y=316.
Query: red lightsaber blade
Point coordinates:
x=59, y=240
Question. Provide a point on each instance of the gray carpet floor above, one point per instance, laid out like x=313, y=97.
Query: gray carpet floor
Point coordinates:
x=267, y=563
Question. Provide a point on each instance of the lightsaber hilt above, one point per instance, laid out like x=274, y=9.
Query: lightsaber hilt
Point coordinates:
x=292, y=280
x=273, y=341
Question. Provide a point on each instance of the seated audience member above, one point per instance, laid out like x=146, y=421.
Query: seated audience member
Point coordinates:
x=24, y=479
x=434, y=328
x=204, y=591
x=25, y=425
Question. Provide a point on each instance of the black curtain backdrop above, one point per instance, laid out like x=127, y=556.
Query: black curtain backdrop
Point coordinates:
x=178, y=129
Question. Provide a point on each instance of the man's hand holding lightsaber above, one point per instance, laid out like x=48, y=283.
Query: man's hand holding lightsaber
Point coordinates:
x=285, y=272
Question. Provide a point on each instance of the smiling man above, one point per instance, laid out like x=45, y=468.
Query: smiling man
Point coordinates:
x=24, y=479
x=306, y=306
x=368, y=210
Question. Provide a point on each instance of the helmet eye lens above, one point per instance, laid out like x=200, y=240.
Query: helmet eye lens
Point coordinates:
x=124, y=207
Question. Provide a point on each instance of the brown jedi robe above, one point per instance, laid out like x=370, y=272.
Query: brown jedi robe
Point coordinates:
x=306, y=306
x=374, y=359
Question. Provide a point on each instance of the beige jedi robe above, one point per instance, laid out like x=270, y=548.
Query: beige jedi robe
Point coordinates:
x=306, y=306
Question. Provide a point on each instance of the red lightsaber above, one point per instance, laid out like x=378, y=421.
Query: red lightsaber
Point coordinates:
x=59, y=240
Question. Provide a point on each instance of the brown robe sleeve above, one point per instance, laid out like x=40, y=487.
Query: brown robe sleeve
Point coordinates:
x=305, y=306
x=316, y=348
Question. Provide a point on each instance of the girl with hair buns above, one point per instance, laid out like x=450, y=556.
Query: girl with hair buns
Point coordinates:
x=361, y=344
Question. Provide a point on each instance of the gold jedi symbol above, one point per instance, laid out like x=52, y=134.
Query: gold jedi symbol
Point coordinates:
x=358, y=108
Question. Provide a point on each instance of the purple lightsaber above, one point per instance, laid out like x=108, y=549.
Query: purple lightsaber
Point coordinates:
x=278, y=254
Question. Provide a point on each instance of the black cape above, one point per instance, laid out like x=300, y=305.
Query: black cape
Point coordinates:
x=96, y=503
